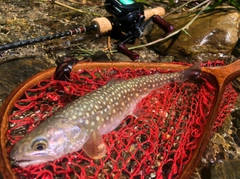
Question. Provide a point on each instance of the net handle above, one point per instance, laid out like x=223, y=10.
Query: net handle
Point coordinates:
x=222, y=76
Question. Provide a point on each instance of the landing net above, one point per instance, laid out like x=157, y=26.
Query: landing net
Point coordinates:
x=157, y=144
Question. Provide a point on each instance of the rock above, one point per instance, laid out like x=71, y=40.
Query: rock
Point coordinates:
x=227, y=169
x=211, y=36
x=15, y=72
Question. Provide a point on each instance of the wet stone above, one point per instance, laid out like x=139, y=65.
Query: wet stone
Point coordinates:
x=236, y=50
x=211, y=36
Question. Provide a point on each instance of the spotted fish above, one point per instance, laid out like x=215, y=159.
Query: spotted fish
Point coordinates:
x=81, y=124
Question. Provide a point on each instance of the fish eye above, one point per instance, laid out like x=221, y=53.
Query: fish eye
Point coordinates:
x=39, y=145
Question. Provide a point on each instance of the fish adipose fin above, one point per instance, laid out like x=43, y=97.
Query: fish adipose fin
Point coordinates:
x=193, y=73
x=95, y=147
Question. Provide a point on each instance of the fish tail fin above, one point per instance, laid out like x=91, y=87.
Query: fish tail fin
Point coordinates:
x=193, y=73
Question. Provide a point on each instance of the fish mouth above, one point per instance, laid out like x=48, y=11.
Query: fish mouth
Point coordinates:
x=20, y=161
x=23, y=161
x=27, y=163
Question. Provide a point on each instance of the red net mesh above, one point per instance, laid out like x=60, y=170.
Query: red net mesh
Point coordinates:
x=157, y=144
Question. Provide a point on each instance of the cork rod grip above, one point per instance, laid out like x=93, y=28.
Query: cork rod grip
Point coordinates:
x=105, y=26
x=155, y=11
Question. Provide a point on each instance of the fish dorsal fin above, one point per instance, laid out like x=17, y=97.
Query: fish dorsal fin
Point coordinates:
x=114, y=80
x=95, y=147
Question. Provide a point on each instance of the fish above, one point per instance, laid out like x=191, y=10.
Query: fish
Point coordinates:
x=82, y=123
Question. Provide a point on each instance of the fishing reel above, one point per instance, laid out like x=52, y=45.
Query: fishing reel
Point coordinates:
x=128, y=24
x=128, y=15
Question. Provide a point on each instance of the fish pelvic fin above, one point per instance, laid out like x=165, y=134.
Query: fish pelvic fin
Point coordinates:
x=193, y=73
x=95, y=147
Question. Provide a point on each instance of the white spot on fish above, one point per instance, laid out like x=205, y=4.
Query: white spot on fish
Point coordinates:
x=87, y=122
x=97, y=118
x=92, y=123
x=87, y=114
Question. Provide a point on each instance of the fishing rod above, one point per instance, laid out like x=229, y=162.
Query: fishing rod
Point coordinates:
x=128, y=22
x=46, y=38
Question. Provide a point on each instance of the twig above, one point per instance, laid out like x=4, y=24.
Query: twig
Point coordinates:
x=178, y=8
x=199, y=5
x=86, y=52
x=176, y=32
x=75, y=9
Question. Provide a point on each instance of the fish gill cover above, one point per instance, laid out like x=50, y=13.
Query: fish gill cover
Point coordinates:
x=156, y=144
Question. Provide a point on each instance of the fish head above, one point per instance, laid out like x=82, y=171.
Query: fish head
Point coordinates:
x=47, y=143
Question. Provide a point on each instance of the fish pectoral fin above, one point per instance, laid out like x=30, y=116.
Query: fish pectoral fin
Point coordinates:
x=133, y=114
x=95, y=147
